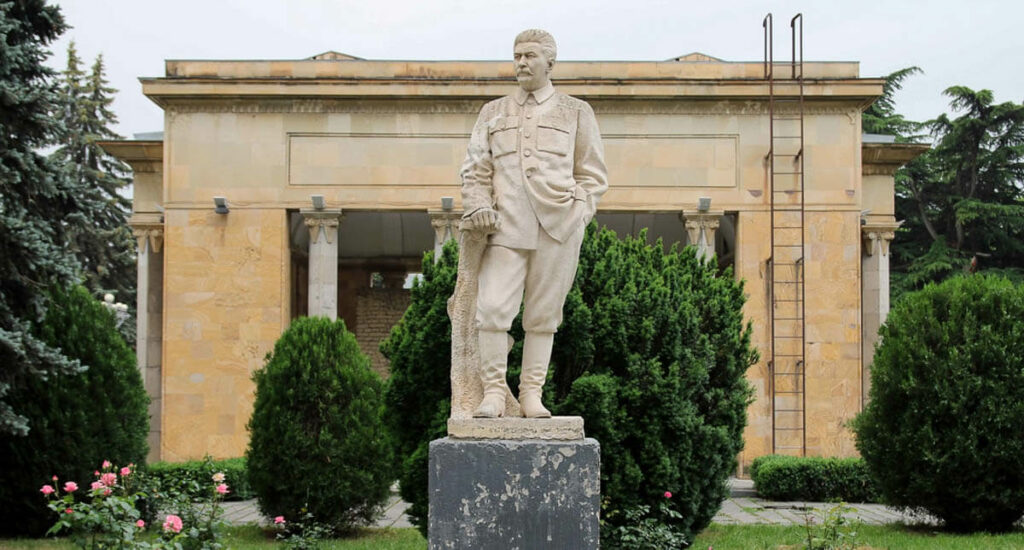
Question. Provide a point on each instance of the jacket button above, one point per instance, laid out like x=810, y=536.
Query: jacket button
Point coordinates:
x=527, y=152
x=530, y=172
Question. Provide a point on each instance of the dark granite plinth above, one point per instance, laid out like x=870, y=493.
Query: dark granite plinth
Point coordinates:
x=504, y=494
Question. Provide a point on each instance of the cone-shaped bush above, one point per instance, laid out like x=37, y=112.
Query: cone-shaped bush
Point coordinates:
x=317, y=441
x=75, y=421
x=942, y=430
x=652, y=353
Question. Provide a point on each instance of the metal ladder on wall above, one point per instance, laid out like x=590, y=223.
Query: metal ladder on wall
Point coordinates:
x=785, y=267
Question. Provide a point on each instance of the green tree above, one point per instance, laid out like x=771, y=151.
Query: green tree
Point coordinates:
x=317, y=442
x=417, y=397
x=881, y=117
x=940, y=432
x=38, y=202
x=104, y=246
x=79, y=420
x=964, y=199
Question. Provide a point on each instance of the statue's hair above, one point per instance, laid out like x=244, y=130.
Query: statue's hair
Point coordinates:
x=544, y=38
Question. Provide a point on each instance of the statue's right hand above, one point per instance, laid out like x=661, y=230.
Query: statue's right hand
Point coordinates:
x=485, y=220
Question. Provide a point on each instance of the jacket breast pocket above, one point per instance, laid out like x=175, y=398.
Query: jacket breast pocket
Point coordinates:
x=504, y=133
x=554, y=135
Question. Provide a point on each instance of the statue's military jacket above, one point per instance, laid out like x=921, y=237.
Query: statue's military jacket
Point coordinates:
x=538, y=162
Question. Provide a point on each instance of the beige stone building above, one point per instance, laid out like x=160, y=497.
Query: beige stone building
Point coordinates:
x=285, y=188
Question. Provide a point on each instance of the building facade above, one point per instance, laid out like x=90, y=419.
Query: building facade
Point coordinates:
x=286, y=188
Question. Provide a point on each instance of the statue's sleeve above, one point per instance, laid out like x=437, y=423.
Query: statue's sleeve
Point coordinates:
x=478, y=168
x=589, y=169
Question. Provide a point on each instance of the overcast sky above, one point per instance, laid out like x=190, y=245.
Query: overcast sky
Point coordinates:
x=978, y=43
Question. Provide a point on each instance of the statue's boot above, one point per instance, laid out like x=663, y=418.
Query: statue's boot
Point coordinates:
x=493, y=363
x=536, y=356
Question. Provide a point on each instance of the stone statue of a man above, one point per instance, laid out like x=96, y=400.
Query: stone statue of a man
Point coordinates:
x=533, y=174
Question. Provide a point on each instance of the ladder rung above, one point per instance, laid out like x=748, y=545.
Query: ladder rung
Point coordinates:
x=787, y=117
x=788, y=373
x=785, y=173
x=790, y=448
x=794, y=263
x=787, y=137
x=786, y=282
x=787, y=245
x=788, y=318
x=787, y=355
x=788, y=301
x=798, y=429
x=777, y=392
x=788, y=337
x=789, y=410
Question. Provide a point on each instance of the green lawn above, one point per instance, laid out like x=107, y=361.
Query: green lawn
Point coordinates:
x=251, y=537
x=895, y=537
x=720, y=537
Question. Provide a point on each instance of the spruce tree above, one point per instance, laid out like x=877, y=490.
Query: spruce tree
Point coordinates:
x=37, y=202
x=104, y=247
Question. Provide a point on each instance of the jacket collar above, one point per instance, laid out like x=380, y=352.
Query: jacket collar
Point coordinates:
x=540, y=95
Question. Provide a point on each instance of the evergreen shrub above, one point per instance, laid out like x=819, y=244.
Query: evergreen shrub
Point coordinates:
x=317, y=443
x=418, y=393
x=76, y=421
x=652, y=353
x=942, y=433
x=813, y=479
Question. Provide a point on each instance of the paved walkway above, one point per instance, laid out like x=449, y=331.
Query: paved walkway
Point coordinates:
x=743, y=507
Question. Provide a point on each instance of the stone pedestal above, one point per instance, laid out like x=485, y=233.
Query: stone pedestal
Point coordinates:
x=517, y=492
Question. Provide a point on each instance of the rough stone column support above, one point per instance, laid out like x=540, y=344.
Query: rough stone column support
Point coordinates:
x=323, y=261
x=446, y=228
x=874, y=291
x=700, y=227
x=149, y=324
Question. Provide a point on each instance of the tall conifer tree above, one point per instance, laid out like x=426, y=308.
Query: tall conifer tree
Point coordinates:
x=104, y=247
x=37, y=201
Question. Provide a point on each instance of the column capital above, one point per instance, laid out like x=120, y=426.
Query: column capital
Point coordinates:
x=322, y=221
x=446, y=226
x=700, y=227
x=877, y=236
x=148, y=233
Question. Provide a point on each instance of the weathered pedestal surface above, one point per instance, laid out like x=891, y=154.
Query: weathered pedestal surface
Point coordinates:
x=517, y=492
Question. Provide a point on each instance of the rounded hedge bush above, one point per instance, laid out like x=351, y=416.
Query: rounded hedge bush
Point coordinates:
x=317, y=441
x=75, y=422
x=812, y=479
x=942, y=430
x=652, y=353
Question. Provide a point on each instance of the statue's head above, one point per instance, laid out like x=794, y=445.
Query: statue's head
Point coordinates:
x=534, y=53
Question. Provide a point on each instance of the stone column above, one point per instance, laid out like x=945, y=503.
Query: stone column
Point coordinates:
x=700, y=227
x=874, y=290
x=323, y=261
x=149, y=323
x=446, y=228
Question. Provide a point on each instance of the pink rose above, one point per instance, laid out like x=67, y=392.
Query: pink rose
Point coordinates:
x=279, y=520
x=106, y=492
x=222, y=489
x=96, y=473
x=70, y=487
x=46, y=490
x=172, y=523
x=218, y=477
x=109, y=479
x=140, y=524
x=69, y=511
x=125, y=471
x=54, y=478
x=96, y=485
x=668, y=494
x=107, y=464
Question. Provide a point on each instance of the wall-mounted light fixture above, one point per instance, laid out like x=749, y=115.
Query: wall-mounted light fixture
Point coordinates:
x=447, y=204
x=318, y=202
x=221, y=205
x=704, y=204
